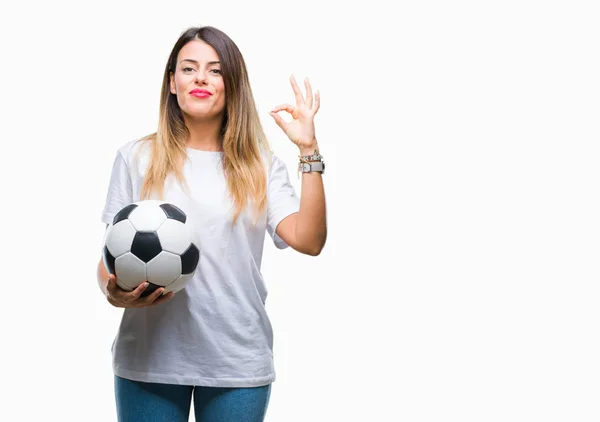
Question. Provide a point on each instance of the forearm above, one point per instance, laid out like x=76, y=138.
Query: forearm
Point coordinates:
x=311, y=224
x=102, y=275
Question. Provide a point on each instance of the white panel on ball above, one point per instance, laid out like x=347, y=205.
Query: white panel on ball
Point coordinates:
x=120, y=239
x=148, y=216
x=107, y=233
x=174, y=236
x=130, y=271
x=179, y=284
x=163, y=269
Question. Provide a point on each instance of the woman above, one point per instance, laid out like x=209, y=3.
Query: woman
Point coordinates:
x=212, y=340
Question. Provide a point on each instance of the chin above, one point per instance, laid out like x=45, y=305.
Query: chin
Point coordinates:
x=200, y=115
x=202, y=112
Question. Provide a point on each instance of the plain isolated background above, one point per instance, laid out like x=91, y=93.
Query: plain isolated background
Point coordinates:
x=460, y=277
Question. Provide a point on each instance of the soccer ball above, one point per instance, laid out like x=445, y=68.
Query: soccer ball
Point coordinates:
x=150, y=241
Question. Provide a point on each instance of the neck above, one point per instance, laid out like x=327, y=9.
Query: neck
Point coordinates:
x=204, y=133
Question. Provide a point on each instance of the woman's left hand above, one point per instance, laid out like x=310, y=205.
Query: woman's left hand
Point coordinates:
x=301, y=130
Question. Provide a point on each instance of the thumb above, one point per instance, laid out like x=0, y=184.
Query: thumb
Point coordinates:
x=280, y=122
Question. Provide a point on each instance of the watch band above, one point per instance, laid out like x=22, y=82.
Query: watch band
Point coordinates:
x=312, y=166
x=314, y=157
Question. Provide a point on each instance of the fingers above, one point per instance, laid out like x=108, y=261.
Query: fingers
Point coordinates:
x=285, y=107
x=313, y=102
x=121, y=295
x=297, y=93
x=278, y=119
x=132, y=299
x=317, y=101
x=154, y=295
x=163, y=298
x=153, y=298
x=309, y=94
x=112, y=282
x=114, y=292
x=111, y=286
x=137, y=292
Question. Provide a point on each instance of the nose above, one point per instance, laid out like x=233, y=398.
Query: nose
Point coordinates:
x=200, y=77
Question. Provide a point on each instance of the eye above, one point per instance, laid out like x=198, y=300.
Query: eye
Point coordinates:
x=216, y=70
x=187, y=68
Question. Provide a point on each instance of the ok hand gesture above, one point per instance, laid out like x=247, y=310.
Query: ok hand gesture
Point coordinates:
x=301, y=130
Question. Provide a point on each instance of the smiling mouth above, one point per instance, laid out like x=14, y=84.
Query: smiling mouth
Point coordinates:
x=200, y=94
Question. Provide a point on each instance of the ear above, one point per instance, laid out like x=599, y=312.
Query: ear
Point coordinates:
x=172, y=84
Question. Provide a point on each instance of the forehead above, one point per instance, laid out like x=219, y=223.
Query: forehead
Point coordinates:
x=197, y=50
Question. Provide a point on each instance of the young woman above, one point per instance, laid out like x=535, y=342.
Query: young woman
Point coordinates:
x=211, y=341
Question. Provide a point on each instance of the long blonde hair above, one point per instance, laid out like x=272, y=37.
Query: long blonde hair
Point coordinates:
x=242, y=133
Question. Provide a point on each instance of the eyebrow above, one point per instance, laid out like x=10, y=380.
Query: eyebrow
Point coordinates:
x=196, y=61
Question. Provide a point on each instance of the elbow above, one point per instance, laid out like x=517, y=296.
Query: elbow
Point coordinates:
x=316, y=251
x=309, y=250
x=312, y=244
x=313, y=252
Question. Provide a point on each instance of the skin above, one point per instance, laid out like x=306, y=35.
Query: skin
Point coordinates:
x=123, y=299
x=202, y=116
x=304, y=231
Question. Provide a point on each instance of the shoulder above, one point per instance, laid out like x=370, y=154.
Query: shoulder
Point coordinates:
x=278, y=167
x=267, y=157
x=273, y=164
x=134, y=150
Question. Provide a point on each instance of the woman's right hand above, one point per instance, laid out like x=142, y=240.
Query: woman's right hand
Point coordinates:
x=121, y=298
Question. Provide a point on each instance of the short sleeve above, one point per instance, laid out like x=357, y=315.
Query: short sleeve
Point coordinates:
x=120, y=191
x=282, y=200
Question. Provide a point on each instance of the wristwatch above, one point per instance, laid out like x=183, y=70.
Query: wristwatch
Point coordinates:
x=314, y=166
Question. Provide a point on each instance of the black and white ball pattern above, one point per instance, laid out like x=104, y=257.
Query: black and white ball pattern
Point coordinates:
x=150, y=241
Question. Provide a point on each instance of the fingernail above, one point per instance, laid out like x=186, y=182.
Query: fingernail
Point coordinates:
x=146, y=285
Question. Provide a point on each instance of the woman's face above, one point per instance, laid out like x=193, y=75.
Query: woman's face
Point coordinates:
x=198, y=82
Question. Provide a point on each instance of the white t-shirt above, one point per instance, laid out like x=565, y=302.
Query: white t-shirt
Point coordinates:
x=215, y=332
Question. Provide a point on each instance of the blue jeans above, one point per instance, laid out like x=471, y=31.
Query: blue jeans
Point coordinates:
x=151, y=402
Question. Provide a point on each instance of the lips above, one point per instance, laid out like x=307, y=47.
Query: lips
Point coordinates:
x=200, y=93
